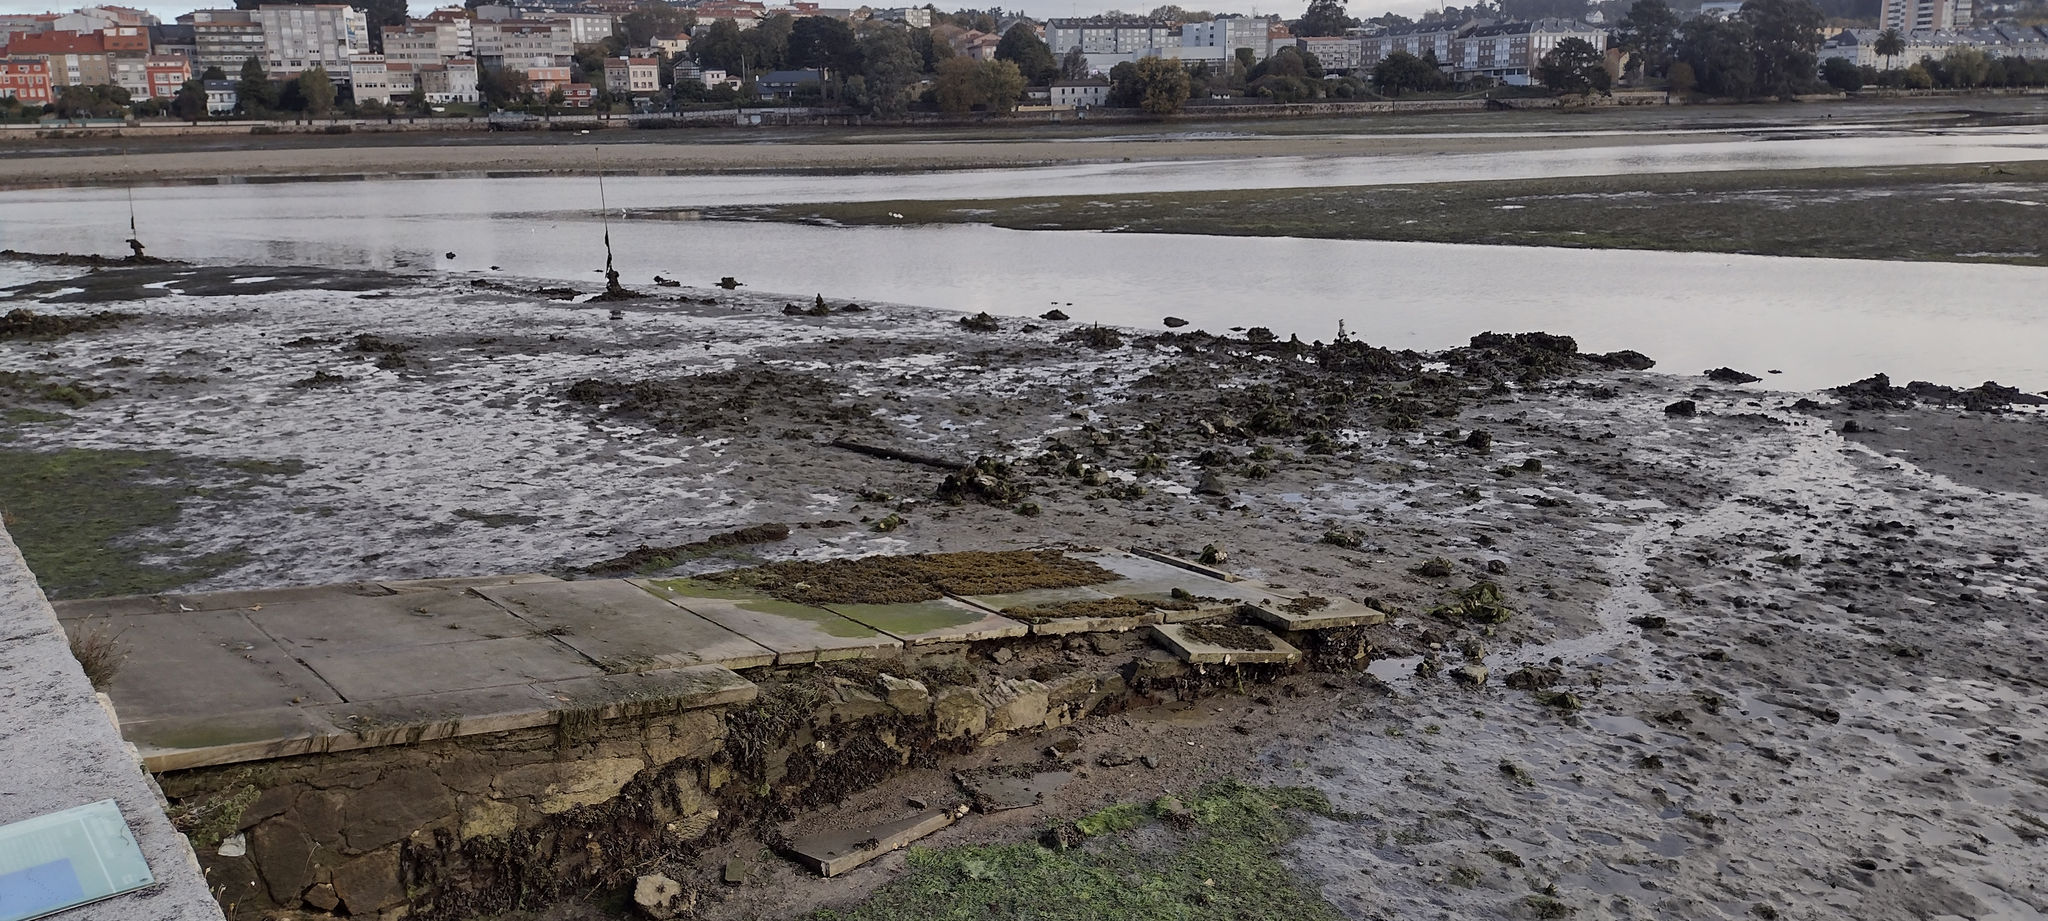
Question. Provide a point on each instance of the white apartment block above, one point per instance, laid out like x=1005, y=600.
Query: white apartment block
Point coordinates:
x=520, y=45
x=1110, y=36
x=299, y=38
x=454, y=81
x=584, y=28
x=225, y=39
x=1228, y=33
x=1925, y=15
x=426, y=42
x=916, y=17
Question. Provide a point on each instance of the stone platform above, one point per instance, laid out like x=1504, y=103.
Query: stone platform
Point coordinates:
x=239, y=676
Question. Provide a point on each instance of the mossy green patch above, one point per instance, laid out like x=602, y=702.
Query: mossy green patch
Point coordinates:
x=1215, y=860
x=908, y=619
x=80, y=516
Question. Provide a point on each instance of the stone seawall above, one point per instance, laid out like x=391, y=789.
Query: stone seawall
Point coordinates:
x=465, y=826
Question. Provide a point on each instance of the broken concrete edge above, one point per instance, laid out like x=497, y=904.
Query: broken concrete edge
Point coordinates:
x=62, y=749
x=343, y=727
x=1187, y=564
x=1197, y=652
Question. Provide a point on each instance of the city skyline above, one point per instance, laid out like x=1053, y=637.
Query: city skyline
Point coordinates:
x=1043, y=9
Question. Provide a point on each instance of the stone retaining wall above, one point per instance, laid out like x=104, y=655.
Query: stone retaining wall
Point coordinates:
x=465, y=826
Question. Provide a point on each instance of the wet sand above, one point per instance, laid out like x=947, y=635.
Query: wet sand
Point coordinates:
x=681, y=155
x=1808, y=667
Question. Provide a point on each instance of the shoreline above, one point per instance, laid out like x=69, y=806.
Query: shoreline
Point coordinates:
x=1788, y=644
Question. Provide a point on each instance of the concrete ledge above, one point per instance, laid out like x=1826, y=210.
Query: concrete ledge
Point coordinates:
x=60, y=750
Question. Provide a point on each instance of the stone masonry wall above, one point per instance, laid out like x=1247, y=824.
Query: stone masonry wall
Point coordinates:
x=470, y=826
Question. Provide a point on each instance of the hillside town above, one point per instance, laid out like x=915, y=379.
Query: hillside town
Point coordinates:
x=651, y=56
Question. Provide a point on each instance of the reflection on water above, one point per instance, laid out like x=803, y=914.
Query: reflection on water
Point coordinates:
x=1822, y=322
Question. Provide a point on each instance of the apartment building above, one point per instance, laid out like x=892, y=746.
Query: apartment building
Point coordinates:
x=26, y=79
x=520, y=45
x=224, y=38
x=635, y=76
x=74, y=59
x=299, y=38
x=454, y=81
x=1925, y=15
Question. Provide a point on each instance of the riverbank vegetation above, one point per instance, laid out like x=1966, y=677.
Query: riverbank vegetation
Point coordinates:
x=1941, y=213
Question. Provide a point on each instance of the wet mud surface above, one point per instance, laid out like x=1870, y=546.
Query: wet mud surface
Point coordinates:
x=1760, y=667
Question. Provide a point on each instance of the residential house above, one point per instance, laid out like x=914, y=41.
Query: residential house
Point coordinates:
x=1337, y=53
x=166, y=75
x=299, y=38
x=545, y=80
x=744, y=13
x=674, y=46
x=580, y=95
x=454, y=81
x=632, y=76
x=173, y=39
x=1424, y=39
x=369, y=76
x=75, y=59
x=434, y=40
x=1226, y=32
x=712, y=78
x=784, y=84
x=222, y=96
x=1084, y=94
x=26, y=79
x=1510, y=51
x=916, y=17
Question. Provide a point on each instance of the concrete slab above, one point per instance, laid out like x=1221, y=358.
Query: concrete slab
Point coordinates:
x=214, y=601
x=1203, y=569
x=835, y=852
x=178, y=744
x=1257, y=645
x=1034, y=598
x=407, y=671
x=1155, y=580
x=799, y=633
x=1060, y=626
x=945, y=620
x=623, y=628
x=333, y=624
x=1290, y=616
x=458, y=583
x=207, y=662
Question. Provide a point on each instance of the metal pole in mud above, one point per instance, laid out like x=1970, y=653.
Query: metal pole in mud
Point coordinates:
x=134, y=238
x=611, y=275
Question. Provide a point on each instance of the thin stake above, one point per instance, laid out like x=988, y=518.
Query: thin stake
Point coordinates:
x=611, y=275
x=134, y=238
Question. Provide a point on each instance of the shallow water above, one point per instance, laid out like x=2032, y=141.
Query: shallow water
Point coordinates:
x=1821, y=322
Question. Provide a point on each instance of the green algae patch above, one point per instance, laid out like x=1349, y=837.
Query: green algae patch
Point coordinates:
x=908, y=619
x=1213, y=858
x=832, y=624
x=704, y=588
x=913, y=578
x=82, y=516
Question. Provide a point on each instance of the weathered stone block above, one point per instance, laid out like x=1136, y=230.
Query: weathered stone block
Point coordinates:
x=397, y=805
x=587, y=783
x=1157, y=665
x=1016, y=704
x=853, y=703
x=695, y=735
x=322, y=896
x=907, y=696
x=369, y=883
x=488, y=818
x=283, y=855
x=275, y=801
x=959, y=712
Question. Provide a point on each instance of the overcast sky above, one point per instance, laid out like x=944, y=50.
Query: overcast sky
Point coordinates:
x=1038, y=8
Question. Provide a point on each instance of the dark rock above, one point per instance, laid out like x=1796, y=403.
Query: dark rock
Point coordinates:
x=1174, y=322
x=370, y=883
x=1151, y=761
x=728, y=283
x=1682, y=408
x=1731, y=376
x=1626, y=360
x=981, y=323
x=283, y=855
x=1480, y=440
x=1852, y=427
x=1054, y=314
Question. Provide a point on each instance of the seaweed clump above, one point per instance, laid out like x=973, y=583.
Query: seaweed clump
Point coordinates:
x=645, y=558
x=23, y=323
x=916, y=577
x=1480, y=603
x=1118, y=606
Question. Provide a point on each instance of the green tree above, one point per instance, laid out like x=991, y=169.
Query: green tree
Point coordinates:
x=213, y=73
x=190, y=103
x=648, y=21
x=1402, y=72
x=1966, y=67
x=317, y=90
x=1022, y=46
x=1718, y=53
x=957, y=90
x=1001, y=85
x=1648, y=32
x=1247, y=59
x=718, y=48
x=1784, y=40
x=1573, y=67
x=823, y=42
x=890, y=68
x=1165, y=86
x=1680, y=78
x=766, y=46
x=1890, y=44
x=1842, y=74
x=254, y=93
x=930, y=51
x=1126, y=90
x=1324, y=17
x=1075, y=65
